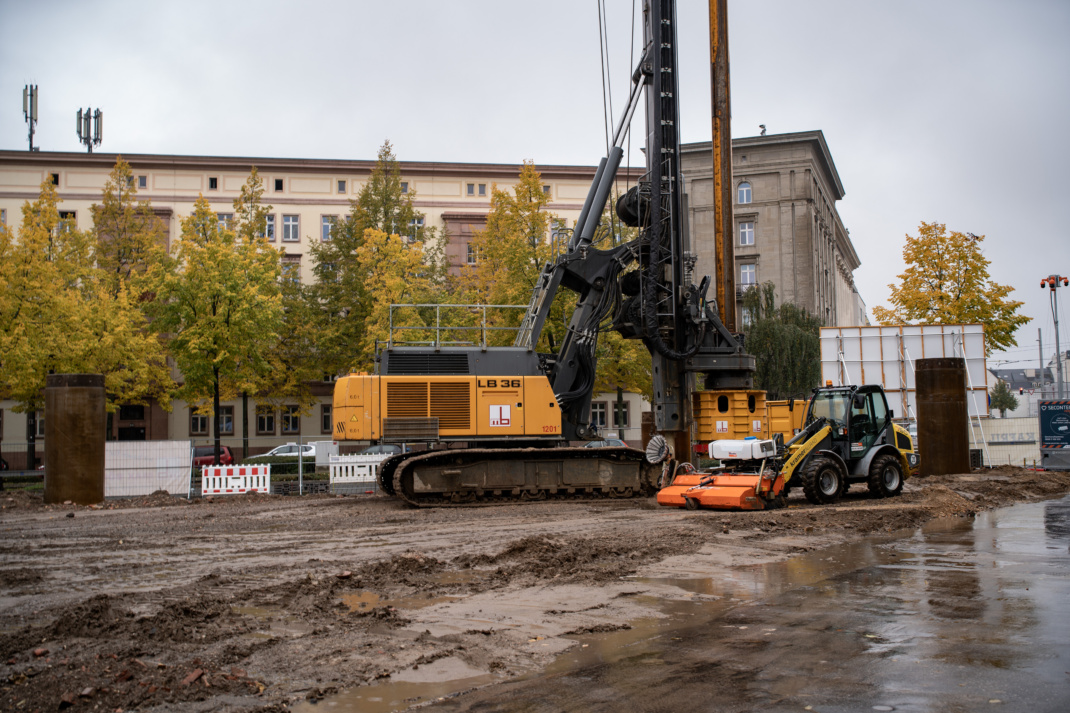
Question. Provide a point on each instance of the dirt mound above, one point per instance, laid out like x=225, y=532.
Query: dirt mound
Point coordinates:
x=586, y=559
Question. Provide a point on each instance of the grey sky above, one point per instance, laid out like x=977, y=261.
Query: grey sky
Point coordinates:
x=946, y=110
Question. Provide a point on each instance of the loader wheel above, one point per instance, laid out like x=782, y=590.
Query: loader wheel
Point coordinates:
x=885, y=477
x=691, y=503
x=822, y=481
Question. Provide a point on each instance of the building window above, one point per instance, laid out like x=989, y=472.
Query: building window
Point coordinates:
x=546, y=189
x=290, y=229
x=327, y=271
x=226, y=420
x=291, y=420
x=415, y=226
x=131, y=412
x=744, y=193
x=40, y=424
x=471, y=189
x=3, y=216
x=67, y=220
x=472, y=256
x=619, y=422
x=225, y=220
x=278, y=185
x=482, y=189
x=213, y=183
x=265, y=421
x=326, y=426
x=142, y=181
x=198, y=424
x=55, y=178
x=747, y=275
x=598, y=414
x=341, y=186
x=746, y=233
x=404, y=187
x=291, y=268
x=327, y=226
x=269, y=228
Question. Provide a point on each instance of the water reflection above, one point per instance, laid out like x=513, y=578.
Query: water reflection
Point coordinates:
x=962, y=616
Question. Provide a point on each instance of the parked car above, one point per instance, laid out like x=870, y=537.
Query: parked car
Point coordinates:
x=205, y=455
x=381, y=450
x=290, y=450
x=606, y=443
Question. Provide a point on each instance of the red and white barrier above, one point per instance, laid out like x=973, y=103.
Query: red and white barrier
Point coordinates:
x=235, y=479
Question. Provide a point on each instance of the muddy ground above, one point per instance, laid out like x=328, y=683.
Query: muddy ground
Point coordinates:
x=257, y=603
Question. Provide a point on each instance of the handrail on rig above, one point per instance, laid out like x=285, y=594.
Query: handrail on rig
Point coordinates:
x=438, y=329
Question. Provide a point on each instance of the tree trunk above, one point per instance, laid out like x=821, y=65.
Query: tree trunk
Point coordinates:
x=31, y=439
x=620, y=413
x=244, y=424
x=215, y=413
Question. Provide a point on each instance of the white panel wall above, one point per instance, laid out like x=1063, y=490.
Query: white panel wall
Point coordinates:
x=134, y=468
x=886, y=355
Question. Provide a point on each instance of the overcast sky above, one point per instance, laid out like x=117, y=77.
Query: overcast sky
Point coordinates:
x=951, y=111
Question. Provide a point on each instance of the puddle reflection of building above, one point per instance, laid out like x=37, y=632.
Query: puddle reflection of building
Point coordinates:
x=1057, y=520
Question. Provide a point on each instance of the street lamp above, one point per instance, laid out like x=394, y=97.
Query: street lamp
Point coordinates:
x=1053, y=283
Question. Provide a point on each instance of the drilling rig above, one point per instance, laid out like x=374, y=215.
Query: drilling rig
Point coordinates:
x=499, y=419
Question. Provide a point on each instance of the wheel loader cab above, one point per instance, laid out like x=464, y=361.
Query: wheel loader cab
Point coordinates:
x=857, y=415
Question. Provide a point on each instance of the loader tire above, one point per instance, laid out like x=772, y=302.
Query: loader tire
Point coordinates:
x=822, y=481
x=885, y=477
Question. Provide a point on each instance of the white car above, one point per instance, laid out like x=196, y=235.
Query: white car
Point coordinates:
x=290, y=450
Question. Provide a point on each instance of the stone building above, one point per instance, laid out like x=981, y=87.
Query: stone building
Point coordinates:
x=787, y=229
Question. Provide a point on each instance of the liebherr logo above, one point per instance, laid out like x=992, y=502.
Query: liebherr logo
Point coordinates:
x=499, y=415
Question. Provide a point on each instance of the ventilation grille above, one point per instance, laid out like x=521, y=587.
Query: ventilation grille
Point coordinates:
x=451, y=403
x=427, y=364
x=406, y=400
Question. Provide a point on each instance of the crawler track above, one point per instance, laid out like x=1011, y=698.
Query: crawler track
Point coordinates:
x=476, y=476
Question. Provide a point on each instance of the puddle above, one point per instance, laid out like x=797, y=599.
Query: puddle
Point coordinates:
x=277, y=623
x=953, y=616
x=365, y=600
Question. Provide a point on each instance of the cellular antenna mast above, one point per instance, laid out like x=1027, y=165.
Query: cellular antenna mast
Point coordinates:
x=85, y=136
x=29, y=109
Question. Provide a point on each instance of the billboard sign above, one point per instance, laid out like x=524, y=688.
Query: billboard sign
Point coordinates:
x=1054, y=424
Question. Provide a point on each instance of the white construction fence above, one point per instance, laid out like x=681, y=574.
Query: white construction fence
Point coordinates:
x=355, y=473
x=133, y=468
x=235, y=479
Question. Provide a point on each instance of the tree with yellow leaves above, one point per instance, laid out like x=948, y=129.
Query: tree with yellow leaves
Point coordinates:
x=511, y=252
x=221, y=305
x=129, y=236
x=947, y=282
x=61, y=313
x=341, y=298
x=395, y=273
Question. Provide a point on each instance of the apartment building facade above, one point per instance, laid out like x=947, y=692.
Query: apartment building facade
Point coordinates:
x=787, y=229
x=786, y=222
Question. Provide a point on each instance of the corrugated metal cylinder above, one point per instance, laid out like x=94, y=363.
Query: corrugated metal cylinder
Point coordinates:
x=75, y=424
x=943, y=417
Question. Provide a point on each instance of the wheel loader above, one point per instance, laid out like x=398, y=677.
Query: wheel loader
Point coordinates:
x=848, y=437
